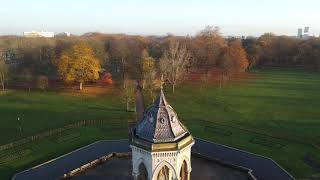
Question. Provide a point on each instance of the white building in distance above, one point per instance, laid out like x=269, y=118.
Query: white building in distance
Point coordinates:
x=44, y=34
x=304, y=33
x=300, y=34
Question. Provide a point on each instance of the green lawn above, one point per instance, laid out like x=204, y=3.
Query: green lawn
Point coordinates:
x=279, y=108
x=39, y=111
x=276, y=114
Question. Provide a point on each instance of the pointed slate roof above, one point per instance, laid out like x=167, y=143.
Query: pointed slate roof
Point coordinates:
x=160, y=123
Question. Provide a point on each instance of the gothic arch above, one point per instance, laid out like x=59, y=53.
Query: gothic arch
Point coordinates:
x=159, y=168
x=141, y=165
x=185, y=158
x=143, y=172
x=184, y=172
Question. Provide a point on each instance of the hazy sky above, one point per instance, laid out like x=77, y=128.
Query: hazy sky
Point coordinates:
x=181, y=17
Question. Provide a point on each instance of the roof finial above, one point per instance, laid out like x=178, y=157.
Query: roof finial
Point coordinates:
x=162, y=82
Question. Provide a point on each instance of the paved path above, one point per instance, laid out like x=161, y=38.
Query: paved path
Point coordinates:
x=64, y=164
x=263, y=168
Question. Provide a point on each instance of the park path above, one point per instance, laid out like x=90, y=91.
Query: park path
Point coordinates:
x=262, y=168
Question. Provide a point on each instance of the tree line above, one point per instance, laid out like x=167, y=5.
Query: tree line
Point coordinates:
x=84, y=58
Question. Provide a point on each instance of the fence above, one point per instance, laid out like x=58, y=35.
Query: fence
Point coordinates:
x=60, y=130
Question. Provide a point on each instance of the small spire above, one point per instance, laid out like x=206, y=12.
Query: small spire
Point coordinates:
x=161, y=100
x=162, y=82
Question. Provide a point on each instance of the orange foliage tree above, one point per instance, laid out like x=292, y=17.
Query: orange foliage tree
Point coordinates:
x=106, y=79
x=79, y=64
x=233, y=60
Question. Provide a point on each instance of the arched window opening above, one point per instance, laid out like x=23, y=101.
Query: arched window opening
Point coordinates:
x=184, y=171
x=143, y=173
x=163, y=173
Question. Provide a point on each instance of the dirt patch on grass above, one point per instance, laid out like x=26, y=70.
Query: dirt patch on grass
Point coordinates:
x=91, y=91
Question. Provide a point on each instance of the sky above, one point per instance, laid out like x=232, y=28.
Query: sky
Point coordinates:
x=158, y=17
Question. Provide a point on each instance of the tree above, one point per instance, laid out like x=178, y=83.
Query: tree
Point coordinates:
x=234, y=60
x=128, y=93
x=149, y=74
x=207, y=47
x=227, y=66
x=42, y=83
x=119, y=52
x=3, y=71
x=44, y=65
x=309, y=54
x=79, y=64
x=106, y=79
x=174, y=63
x=253, y=51
x=99, y=50
x=238, y=56
x=27, y=77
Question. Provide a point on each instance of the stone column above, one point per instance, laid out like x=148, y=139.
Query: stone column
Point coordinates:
x=135, y=176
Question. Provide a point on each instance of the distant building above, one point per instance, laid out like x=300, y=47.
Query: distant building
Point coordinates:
x=299, y=33
x=67, y=34
x=63, y=34
x=304, y=33
x=45, y=34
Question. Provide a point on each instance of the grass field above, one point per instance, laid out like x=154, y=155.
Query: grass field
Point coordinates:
x=39, y=111
x=275, y=114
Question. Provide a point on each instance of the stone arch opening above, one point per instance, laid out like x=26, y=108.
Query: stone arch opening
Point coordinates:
x=143, y=173
x=184, y=174
x=169, y=169
x=164, y=173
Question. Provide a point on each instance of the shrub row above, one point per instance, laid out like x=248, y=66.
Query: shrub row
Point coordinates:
x=15, y=155
x=67, y=137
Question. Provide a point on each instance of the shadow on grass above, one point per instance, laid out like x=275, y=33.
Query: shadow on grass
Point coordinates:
x=108, y=109
x=312, y=161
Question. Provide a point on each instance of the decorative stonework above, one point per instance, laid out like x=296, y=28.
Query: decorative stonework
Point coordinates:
x=155, y=161
x=161, y=145
x=160, y=123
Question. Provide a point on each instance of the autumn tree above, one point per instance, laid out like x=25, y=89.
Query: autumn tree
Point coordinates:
x=174, y=63
x=99, y=50
x=119, y=53
x=207, y=47
x=239, y=55
x=309, y=54
x=78, y=64
x=149, y=74
x=234, y=60
x=253, y=50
